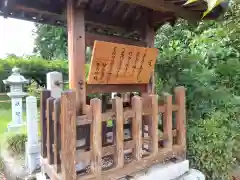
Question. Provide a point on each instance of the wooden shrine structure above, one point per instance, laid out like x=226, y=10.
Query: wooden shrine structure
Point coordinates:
x=122, y=35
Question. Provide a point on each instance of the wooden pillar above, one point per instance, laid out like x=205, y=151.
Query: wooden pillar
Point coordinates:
x=148, y=120
x=76, y=54
x=150, y=35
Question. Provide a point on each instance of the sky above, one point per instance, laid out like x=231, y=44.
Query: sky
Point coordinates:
x=16, y=37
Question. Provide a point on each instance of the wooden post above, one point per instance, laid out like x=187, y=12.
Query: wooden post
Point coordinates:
x=180, y=115
x=154, y=125
x=167, y=121
x=137, y=127
x=76, y=54
x=150, y=35
x=148, y=120
x=68, y=135
x=118, y=106
x=57, y=134
x=45, y=94
x=50, y=133
x=96, y=141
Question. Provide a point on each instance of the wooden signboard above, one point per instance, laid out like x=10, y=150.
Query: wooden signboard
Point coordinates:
x=113, y=63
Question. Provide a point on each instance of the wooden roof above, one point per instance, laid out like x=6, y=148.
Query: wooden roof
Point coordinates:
x=122, y=17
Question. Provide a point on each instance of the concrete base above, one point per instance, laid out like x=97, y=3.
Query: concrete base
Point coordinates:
x=32, y=157
x=171, y=171
x=15, y=127
x=193, y=174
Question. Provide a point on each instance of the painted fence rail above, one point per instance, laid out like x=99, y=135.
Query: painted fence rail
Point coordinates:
x=150, y=141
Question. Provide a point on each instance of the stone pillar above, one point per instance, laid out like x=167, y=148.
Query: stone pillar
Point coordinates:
x=32, y=144
x=55, y=83
x=16, y=82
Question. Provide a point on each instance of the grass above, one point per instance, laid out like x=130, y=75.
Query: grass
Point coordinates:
x=5, y=112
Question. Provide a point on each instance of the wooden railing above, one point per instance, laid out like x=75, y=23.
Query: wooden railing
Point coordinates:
x=148, y=143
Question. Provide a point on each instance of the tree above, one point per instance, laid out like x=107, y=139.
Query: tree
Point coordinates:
x=50, y=42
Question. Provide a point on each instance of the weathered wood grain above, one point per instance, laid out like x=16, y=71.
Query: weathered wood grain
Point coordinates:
x=68, y=135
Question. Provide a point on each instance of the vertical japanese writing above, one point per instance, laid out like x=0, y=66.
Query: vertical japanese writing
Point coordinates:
x=150, y=63
x=121, y=61
x=129, y=59
x=96, y=72
x=136, y=61
x=141, y=67
x=103, y=69
x=112, y=62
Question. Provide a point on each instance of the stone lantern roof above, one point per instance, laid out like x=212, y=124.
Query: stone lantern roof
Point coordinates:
x=15, y=78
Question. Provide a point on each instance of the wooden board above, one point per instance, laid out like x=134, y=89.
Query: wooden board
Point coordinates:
x=114, y=63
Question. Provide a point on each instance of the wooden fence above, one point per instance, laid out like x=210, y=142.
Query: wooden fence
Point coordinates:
x=149, y=143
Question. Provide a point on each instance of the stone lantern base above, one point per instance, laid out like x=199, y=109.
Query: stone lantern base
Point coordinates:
x=15, y=127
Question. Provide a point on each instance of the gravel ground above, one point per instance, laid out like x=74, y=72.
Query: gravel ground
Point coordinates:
x=2, y=177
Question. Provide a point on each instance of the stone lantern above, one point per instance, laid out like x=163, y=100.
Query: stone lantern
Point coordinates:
x=16, y=82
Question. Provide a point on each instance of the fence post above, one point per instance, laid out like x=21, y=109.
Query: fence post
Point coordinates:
x=118, y=106
x=96, y=135
x=45, y=94
x=167, y=121
x=137, y=127
x=57, y=134
x=68, y=135
x=50, y=132
x=56, y=89
x=180, y=115
x=32, y=144
x=154, y=124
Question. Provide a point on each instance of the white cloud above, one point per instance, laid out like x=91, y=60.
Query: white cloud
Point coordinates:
x=16, y=37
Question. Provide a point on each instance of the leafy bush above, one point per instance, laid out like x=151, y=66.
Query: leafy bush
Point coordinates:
x=205, y=59
x=33, y=68
x=211, y=143
x=16, y=143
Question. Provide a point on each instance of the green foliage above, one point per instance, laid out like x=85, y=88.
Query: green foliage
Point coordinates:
x=16, y=143
x=34, y=68
x=211, y=142
x=51, y=43
x=205, y=59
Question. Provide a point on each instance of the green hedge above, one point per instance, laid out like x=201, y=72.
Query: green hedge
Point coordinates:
x=33, y=68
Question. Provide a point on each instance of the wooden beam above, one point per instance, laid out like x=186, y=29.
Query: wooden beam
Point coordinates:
x=158, y=5
x=90, y=18
x=91, y=37
x=106, y=88
x=76, y=54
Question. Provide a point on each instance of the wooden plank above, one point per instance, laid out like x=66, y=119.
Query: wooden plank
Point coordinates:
x=154, y=125
x=92, y=37
x=96, y=139
x=136, y=166
x=68, y=135
x=167, y=121
x=114, y=63
x=127, y=113
x=76, y=54
x=137, y=127
x=118, y=104
x=45, y=94
x=106, y=151
x=108, y=88
x=49, y=169
x=180, y=115
x=168, y=6
x=57, y=135
x=50, y=130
